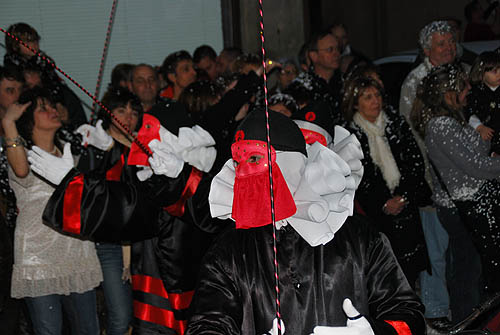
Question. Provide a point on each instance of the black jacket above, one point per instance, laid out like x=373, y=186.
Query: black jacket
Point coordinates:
x=404, y=230
x=485, y=104
x=236, y=290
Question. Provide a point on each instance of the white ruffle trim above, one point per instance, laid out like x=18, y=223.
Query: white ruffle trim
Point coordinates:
x=40, y=280
x=324, y=196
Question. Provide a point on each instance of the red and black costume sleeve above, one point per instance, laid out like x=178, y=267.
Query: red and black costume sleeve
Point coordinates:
x=102, y=199
x=168, y=220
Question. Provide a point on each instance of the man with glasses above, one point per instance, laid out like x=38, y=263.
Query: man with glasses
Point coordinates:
x=319, y=82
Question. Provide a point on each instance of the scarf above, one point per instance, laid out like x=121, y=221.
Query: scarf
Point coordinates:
x=380, y=151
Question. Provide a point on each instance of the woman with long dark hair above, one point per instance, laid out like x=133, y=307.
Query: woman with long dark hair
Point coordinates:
x=52, y=272
x=464, y=170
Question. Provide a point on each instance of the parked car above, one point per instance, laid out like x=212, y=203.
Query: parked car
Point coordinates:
x=396, y=67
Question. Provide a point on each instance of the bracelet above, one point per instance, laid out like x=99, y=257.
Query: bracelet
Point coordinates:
x=16, y=141
x=14, y=145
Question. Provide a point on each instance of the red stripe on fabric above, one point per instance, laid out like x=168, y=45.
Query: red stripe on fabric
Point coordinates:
x=71, y=205
x=400, y=326
x=158, y=316
x=155, y=286
x=312, y=136
x=192, y=183
x=115, y=173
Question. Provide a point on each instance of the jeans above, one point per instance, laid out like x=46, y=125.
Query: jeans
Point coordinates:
x=464, y=266
x=434, y=289
x=117, y=293
x=46, y=313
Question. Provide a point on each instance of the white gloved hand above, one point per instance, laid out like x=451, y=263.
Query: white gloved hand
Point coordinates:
x=356, y=324
x=202, y=158
x=95, y=136
x=51, y=167
x=145, y=173
x=163, y=161
x=274, y=330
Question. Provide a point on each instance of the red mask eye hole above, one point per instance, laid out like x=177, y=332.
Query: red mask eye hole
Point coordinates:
x=235, y=163
x=255, y=159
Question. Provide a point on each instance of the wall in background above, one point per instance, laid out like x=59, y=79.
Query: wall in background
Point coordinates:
x=376, y=27
x=73, y=32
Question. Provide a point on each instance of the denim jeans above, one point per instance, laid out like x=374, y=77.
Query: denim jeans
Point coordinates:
x=117, y=293
x=464, y=266
x=434, y=289
x=46, y=313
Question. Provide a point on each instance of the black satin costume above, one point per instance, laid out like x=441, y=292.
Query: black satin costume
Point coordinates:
x=166, y=251
x=236, y=290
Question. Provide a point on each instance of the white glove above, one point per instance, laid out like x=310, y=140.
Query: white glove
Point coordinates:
x=145, y=173
x=274, y=330
x=95, y=136
x=358, y=326
x=163, y=161
x=202, y=158
x=50, y=167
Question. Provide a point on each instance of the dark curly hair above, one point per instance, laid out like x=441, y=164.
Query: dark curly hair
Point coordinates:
x=26, y=122
x=116, y=97
x=199, y=96
x=24, y=32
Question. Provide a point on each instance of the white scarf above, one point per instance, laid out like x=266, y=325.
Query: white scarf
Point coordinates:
x=380, y=151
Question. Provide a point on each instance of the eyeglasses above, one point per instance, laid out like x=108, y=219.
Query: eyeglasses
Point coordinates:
x=329, y=49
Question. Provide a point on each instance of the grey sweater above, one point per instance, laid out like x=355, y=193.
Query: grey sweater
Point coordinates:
x=461, y=157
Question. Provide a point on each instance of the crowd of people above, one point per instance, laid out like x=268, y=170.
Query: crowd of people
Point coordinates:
x=387, y=215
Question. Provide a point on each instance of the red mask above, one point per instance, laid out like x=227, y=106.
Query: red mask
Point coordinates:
x=251, y=200
x=312, y=136
x=149, y=131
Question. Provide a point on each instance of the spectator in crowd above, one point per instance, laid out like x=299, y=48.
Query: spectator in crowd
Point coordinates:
x=483, y=101
x=463, y=54
x=339, y=31
x=247, y=62
x=11, y=83
x=477, y=28
x=287, y=73
x=463, y=167
x=144, y=83
x=205, y=59
x=121, y=75
x=113, y=257
x=52, y=272
x=318, y=81
x=393, y=170
x=437, y=40
x=283, y=103
x=38, y=72
x=225, y=61
x=178, y=70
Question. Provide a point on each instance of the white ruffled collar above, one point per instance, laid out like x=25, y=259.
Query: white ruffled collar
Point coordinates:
x=323, y=191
